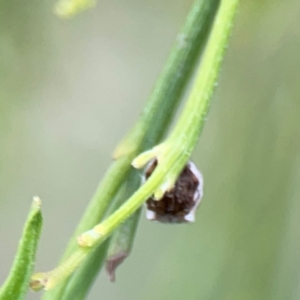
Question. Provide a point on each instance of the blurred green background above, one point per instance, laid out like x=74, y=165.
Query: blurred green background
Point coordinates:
x=69, y=90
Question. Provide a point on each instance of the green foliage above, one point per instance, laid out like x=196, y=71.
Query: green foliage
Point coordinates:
x=17, y=283
x=171, y=155
x=245, y=243
x=152, y=125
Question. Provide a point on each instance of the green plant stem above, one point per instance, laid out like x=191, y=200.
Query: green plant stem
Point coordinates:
x=174, y=77
x=95, y=211
x=158, y=111
x=192, y=119
x=102, y=198
x=177, y=148
x=157, y=114
x=17, y=283
x=80, y=282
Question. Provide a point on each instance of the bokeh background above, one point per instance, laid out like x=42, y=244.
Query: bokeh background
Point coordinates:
x=69, y=90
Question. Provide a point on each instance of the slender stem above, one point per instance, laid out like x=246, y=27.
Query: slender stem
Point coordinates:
x=192, y=119
x=172, y=80
x=16, y=284
x=101, y=200
x=174, y=77
x=157, y=114
x=187, y=130
x=79, y=284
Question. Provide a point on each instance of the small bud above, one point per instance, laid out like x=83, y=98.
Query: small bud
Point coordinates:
x=69, y=8
x=37, y=202
x=88, y=238
x=142, y=159
x=38, y=281
x=178, y=204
